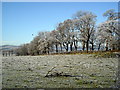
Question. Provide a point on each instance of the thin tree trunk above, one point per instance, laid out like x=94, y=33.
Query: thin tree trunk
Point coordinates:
x=61, y=47
x=67, y=47
x=48, y=47
x=107, y=45
x=83, y=48
x=37, y=52
x=113, y=47
x=75, y=45
x=99, y=46
x=71, y=46
x=87, y=45
x=92, y=46
x=75, y=48
x=56, y=48
x=45, y=50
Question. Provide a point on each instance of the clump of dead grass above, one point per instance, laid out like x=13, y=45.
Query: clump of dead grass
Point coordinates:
x=105, y=55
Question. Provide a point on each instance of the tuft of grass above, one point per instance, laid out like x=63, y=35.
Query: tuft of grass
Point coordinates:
x=26, y=81
x=105, y=55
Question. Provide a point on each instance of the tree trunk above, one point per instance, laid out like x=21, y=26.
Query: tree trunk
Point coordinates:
x=45, y=50
x=37, y=52
x=107, y=45
x=75, y=48
x=71, y=46
x=87, y=45
x=67, y=47
x=83, y=47
x=48, y=47
x=99, y=46
x=92, y=46
x=75, y=45
x=56, y=48
x=61, y=47
x=113, y=47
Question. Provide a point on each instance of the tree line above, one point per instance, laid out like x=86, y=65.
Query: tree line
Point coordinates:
x=78, y=33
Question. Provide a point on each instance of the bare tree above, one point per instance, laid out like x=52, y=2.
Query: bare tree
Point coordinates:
x=111, y=14
x=33, y=46
x=110, y=30
x=100, y=39
x=86, y=25
x=63, y=31
x=45, y=42
x=81, y=29
x=67, y=34
x=22, y=50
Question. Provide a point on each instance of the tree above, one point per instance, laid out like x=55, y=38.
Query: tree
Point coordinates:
x=22, y=50
x=67, y=35
x=33, y=46
x=56, y=40
x=100, y=38
x=109, y=30
x=85, y=23
x=63, y=30
x=81, y=30
x=45, y=43
x=111, y=14
x=93, y=39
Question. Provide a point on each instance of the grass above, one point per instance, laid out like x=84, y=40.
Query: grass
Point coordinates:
x=105, y=54
x=97, y=53
x=96, y=82
x=18, y=75
x=88, y=83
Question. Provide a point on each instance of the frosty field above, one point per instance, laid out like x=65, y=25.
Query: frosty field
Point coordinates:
x=84, y=71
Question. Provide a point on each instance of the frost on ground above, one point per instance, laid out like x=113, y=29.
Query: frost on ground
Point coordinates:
x=83, y=71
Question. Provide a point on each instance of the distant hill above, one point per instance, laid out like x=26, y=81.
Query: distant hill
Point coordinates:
x=8, y=47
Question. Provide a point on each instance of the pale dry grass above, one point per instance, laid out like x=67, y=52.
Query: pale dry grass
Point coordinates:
x=30, y=71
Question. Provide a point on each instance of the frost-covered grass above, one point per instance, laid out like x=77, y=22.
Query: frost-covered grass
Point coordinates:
x=30, y=71
x=106, y=54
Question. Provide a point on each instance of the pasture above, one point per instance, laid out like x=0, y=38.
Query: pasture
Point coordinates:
x=59, y=71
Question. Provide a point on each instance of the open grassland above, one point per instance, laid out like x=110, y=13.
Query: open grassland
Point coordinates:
x=64, y=71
